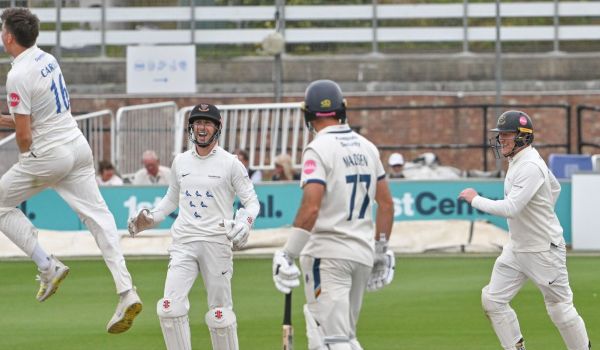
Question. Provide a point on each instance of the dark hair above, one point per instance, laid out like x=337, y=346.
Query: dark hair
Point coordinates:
x=24, y=25
x=244, y=154
x=105, y=165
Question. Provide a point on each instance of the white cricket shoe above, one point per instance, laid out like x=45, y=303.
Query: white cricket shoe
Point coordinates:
x=50, y=279
x=128, y=308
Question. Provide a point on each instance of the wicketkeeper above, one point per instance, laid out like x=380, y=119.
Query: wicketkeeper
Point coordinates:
x=204, y=182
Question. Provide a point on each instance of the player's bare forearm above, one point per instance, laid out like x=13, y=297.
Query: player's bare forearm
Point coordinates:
x=306, y=217
x=309, y=207
x=385, y=209
x=23, y=134
x=6, y=121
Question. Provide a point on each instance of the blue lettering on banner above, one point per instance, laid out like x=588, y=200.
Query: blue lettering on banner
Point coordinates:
x=413, y=200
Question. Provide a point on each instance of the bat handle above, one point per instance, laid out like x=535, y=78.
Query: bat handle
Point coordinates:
x=287, y=311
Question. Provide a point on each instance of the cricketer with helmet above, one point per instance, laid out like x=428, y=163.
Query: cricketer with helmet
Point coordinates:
x=333, y=232
x=536, y=248
x=204, y=182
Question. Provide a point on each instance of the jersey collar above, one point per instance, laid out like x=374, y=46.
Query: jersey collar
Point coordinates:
x=24, y=54
x=521, y=154
x=212, y=152
x=335, y=129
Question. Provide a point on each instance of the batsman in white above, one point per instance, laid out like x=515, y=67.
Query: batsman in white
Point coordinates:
x=55, y=154
x=341, y=251
x=204, y=182
x=536, y=247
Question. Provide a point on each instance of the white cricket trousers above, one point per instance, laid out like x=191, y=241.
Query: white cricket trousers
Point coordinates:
x=334, y=290
x=213, y=260
x=548, y=271
x=69, y=170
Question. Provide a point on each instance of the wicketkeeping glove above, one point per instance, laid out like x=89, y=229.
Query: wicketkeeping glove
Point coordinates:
x=238, y=230
x=142, y=221
x=384, y=265
x=286, y=274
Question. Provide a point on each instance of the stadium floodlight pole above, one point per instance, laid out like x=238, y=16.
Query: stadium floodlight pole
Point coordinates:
x=57, y=50
x=556, y=27
x=277, y=62
x=498, y=69
x=375, y=44
x=192, y=22
x=103, y=29
x=465, y=26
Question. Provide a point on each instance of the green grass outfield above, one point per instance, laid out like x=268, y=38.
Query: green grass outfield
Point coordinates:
x=433, y=303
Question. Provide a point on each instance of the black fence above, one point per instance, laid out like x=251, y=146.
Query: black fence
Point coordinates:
x=588, y=128
x=437, y=127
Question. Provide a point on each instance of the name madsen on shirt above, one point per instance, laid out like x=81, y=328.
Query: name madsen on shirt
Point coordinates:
x=355, y=159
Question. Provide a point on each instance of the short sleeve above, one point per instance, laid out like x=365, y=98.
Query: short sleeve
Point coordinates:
x=313, y=168
x=18, y=95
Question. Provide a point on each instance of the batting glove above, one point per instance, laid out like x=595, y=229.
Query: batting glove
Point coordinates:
x=238, y=230
x=142, y=221
x=286, y=274
x=384, y=266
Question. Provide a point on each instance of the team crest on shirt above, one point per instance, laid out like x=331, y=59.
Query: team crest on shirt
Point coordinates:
x=14, y=99
x=309, y=166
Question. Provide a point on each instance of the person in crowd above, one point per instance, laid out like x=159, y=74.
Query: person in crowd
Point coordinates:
x=107, y=175
x=254, y=174
x=396, y=163
x=283, y=169
x=152, y=173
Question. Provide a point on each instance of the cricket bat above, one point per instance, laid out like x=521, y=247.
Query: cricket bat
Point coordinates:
x=288, y=329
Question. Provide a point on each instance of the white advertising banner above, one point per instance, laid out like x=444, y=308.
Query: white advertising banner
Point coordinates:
x=585, y=211
x=161, y=69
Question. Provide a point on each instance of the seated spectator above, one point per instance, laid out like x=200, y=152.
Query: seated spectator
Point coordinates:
x=152, y=173
x=254, y=174
x=396, y=163
x=107, y=175
x=283, y=169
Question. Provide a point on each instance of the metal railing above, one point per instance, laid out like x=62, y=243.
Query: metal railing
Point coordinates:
x=145, y=127
x=97, y=127
x=369, y=23
x=263, y=130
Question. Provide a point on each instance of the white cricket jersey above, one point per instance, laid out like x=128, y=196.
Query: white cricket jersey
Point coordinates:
x=349, y=166
x=204, y=189
x=35, y=86
x=530, y=193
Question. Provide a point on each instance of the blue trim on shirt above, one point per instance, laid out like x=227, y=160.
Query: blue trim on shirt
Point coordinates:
x=317, y=277
x=381, y=177
x=315, y=181
x=340, y=132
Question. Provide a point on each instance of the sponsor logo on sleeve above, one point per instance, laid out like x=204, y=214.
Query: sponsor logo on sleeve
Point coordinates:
x=14, y=99
x=309, y=166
